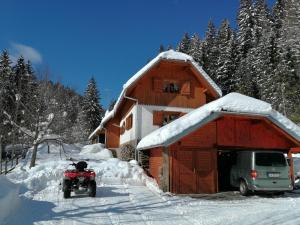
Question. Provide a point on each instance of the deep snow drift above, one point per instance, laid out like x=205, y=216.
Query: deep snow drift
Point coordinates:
x=125, y=195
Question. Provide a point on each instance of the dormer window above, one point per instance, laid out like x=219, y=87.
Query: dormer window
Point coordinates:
x=171, y=87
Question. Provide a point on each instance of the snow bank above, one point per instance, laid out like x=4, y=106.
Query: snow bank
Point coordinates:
x=48, y=172
x=96, y=152
x=9, y=199
x=231, y=103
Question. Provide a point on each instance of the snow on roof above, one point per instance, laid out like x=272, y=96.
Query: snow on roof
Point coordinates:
x=168, y=55
x=231, y=103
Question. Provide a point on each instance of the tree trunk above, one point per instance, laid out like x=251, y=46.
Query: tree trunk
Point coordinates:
x=33, y=157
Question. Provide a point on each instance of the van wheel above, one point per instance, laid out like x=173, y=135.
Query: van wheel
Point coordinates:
x=244, y=188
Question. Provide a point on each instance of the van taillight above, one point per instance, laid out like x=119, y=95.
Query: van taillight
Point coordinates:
x=253, y=174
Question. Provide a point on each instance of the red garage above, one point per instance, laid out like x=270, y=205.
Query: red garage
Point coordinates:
x=194, y=153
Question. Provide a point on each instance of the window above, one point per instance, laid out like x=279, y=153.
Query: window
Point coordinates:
x=169, y=117
x=270, y=159
x=161, y=118
x=171, y=87
x=129, y=122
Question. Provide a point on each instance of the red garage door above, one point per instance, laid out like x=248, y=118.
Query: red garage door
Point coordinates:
x=194, y=171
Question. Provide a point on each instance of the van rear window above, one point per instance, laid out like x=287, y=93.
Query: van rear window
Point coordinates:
x=270, y=159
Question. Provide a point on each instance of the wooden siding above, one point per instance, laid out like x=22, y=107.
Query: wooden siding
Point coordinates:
x=148, y=92
x=155, y=163
x=193, y=170
x=112, y=134
x=250, y=133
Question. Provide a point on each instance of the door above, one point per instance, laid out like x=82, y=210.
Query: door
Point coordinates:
x=205, y=168
x=194, y=171
x=187, y=178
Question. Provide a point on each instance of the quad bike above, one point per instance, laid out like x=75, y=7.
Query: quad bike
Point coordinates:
x=79, y=180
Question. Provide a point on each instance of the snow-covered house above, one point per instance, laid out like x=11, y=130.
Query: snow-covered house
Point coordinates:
x=194, y=153
x=173, y=111
x=169, y=86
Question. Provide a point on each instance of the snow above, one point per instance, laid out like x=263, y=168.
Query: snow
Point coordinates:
x=125, y=195
x=231, y=103
x=96, y=151
x=9, y=198
x=169, y=55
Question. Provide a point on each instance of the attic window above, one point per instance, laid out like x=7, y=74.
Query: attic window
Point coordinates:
x=171, y=87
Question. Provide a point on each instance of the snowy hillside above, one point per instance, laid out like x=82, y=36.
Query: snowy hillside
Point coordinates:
x=125, y=195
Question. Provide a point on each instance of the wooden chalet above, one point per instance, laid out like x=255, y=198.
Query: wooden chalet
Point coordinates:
x=169, y=86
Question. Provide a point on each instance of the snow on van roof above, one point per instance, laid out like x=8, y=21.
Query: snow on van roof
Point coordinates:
x=168, y=55
x=231, y=103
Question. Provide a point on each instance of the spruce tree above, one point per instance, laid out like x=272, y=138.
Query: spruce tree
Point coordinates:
x=6, y=97
x=195, y=49
x=92, y=109
x=161, y=48
x=226, y=59
x=245, y=25
x=210, y=51
x=185, y=44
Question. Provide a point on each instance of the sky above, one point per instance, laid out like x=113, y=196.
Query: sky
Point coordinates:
x=108, y=39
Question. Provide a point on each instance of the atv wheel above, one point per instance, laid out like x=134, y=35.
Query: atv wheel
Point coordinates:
x=67, y=188
x=92, y=188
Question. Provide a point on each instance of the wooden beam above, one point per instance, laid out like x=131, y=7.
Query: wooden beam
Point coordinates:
x=165, y=178
x=295, y=150
x=291, y=167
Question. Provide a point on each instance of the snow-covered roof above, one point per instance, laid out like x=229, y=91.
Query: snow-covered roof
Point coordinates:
x=231, y=103
x=167, y=55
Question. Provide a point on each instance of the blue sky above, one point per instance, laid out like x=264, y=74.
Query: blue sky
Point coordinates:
x=110, y=40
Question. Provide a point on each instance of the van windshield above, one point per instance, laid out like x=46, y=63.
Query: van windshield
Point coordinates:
x=270, y=159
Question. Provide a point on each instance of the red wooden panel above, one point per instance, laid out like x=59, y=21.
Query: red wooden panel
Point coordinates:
x=226, y=132
x=205, y=165
x=203, y=137
x=187, y=178
x=242, y=133
x=193, y=171
x=157, y=118
x=155, y=163
x=157, y=85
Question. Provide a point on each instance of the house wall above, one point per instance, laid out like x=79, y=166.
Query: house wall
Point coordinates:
x=112, y=133
x=129, y=135
x=143, y=121
x=146, y=93
x=146, y=117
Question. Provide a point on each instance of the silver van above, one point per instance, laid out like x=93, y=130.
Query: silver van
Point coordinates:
x=266, y=171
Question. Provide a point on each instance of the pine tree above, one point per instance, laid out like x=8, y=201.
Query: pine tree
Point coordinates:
x=6, y=97
x=195, y=48
x=261, y=21
x=245, y=25
x=112, y=104
x=226, y=60
x=161, y=48
x=290, y=35
x=185, y=44
x=210, y=51
x=92, y=109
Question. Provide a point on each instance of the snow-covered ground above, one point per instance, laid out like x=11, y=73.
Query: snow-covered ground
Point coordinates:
x=125, y=195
